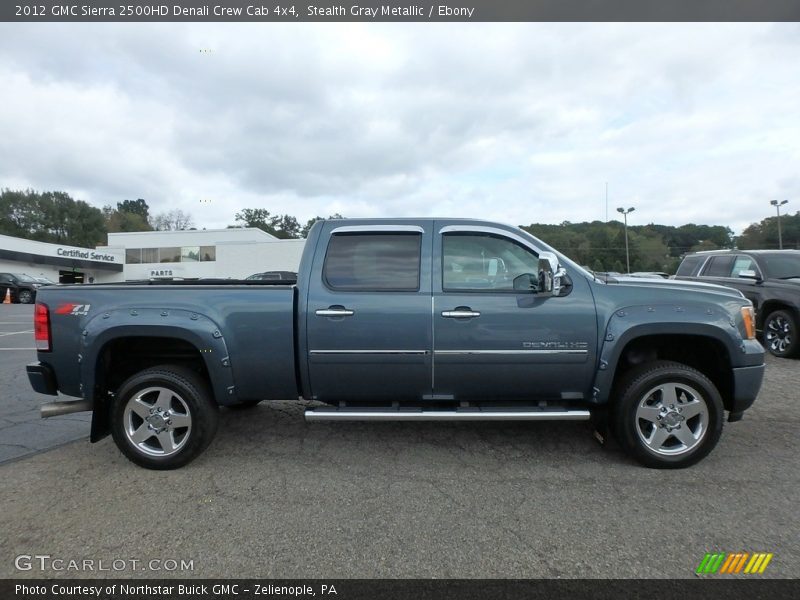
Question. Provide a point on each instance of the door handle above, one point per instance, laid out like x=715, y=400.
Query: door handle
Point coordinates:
x=334, y=311
x=460, y=313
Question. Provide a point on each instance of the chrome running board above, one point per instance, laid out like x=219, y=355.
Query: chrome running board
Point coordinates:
x=346, y=414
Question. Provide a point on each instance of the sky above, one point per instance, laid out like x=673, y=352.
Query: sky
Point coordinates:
x=518, y=123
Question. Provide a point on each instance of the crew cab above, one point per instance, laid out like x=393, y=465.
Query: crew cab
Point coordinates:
x=405, y=319
x=770, y=279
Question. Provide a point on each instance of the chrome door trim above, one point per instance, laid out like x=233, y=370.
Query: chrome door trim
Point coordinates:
x=329, y=352
x=512, y=352
x=378, y=229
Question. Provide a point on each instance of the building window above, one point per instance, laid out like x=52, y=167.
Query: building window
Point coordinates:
x=208, y=253
x=190, y=254
x=172, y=255
x=149, y=255
x=133, y=256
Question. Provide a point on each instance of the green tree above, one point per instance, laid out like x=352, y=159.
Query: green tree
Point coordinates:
x=135, y=207
x=51, y=217
x=310, y=223
x=121, y=221
x=764, y=234
x=281, y=226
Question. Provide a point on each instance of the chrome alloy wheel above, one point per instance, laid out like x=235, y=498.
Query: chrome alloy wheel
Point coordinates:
x=672, y=419
x=778, y=334
x=157, y=421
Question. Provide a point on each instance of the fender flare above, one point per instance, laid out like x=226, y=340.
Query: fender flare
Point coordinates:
x=191, y=327
x=635, y=322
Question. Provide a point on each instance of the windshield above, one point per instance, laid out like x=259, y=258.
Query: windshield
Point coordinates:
x=781, y=266
x=23, y=277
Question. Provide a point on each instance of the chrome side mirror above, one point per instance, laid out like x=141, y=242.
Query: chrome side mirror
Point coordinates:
x=748, y=274
x=550, y=274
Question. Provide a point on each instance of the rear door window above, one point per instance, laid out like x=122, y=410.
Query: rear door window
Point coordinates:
x=373, y=262
x=719, y=266
x=690, y=266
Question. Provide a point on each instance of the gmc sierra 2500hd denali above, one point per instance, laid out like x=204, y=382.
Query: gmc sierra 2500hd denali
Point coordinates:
x=405, y=319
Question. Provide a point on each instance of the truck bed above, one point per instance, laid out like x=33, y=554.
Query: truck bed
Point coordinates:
x=244, y=330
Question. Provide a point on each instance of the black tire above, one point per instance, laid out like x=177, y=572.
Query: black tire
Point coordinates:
x=25, y=297
x=641, y=412
x=185, y=394
x=780, y=334
x=247, y=404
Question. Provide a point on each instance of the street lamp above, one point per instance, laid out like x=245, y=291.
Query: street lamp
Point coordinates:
x=777, y=206
x=625, y=214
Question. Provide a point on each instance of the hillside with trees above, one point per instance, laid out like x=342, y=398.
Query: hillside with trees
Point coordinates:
x=601, y=246
x=56, y=217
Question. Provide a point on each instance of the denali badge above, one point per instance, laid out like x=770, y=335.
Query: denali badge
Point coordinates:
x=555, y=345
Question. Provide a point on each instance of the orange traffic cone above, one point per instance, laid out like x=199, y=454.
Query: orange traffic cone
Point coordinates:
x=7, y=299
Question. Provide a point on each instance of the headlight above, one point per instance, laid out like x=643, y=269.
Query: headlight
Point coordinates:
x=749, y=319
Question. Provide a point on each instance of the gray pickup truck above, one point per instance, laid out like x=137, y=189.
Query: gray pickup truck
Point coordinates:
x=405, y=319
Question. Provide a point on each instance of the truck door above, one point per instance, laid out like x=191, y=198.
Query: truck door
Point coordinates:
x=368, y=321
x=492, y=342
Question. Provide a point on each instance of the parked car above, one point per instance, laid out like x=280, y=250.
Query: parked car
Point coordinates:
x=408, y=320
x=770, y=279
x=45, y=280
x=23, y=287
x=288, y=276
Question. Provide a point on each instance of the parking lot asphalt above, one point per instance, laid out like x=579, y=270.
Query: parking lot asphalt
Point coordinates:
x=276, y=497
x=22, y=432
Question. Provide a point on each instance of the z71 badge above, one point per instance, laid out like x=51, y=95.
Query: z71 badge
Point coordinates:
x=73, y=309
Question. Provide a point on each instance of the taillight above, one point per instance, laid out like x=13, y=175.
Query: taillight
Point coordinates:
x=41, y=327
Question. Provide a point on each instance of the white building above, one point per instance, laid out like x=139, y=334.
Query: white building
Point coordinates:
x=60, y=263
x=215, y=253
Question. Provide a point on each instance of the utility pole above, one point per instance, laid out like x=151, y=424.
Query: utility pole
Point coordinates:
x=777, y=206
x=625, y=214
x=606, y=202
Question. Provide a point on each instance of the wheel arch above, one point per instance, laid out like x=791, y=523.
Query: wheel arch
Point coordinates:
x=702, y=344
x=770, y=306
x=113, y=349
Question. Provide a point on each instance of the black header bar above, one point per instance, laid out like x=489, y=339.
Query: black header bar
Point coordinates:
x=396, y=589
x=284, y=11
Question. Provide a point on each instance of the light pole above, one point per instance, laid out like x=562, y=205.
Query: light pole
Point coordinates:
x=777, y=206
x=625, y=214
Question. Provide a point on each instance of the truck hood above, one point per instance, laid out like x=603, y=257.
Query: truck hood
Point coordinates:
x=674, y=285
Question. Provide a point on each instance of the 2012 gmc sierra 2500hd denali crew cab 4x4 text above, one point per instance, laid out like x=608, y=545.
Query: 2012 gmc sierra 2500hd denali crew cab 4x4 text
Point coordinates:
x=405, y=319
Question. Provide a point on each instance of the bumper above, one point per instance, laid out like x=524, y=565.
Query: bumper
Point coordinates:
x=746, y=383
x=42, y=379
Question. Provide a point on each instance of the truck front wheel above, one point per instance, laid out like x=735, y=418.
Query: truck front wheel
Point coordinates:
x=667, y=415
x=163, y=417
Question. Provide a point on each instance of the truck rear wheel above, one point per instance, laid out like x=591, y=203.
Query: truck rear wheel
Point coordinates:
x=163, y=417
x=667, y=415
